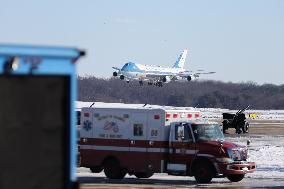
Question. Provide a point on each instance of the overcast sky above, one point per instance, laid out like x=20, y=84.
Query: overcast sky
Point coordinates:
x=240, y=40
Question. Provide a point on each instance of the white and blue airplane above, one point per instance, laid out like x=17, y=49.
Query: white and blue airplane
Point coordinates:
x=157, y=75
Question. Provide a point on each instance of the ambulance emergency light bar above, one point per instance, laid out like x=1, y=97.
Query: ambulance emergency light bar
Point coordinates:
x=176, y=115
x=37, y=117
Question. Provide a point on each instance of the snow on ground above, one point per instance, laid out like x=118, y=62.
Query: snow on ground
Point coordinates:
x=267, y=152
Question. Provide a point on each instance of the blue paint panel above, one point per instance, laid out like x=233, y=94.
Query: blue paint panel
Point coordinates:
x=24, y=50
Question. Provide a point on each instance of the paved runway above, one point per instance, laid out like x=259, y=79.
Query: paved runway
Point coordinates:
x=158, y=181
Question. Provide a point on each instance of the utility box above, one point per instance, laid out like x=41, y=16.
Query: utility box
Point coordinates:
x=37, y=117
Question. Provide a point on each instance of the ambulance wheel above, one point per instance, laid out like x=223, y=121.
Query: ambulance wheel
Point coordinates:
x=113, y=170
x=235, y=178
x=143, y=174
x=96, y=169
x=203, y=172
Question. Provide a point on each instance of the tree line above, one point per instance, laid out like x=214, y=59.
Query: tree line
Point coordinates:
x=204, y=94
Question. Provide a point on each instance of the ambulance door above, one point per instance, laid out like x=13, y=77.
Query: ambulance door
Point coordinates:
x=86, y=129
x=137, y=141
x=182, y=150
x=155, y=158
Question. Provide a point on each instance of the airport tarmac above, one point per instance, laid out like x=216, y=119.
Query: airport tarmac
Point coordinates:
x=264, y=127
x=159, y=181
x=266, y=149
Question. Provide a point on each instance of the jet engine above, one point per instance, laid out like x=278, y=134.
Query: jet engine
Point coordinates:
x=122, y=77
x=166, y=79
x=189, y=78
x=114, y=74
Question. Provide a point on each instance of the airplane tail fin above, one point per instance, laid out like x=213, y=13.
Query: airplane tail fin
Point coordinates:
x=181, y=60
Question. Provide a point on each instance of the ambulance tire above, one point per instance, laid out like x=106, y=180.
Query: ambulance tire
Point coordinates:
x=96, y=169
x=113, y=170
x=203, y=172
x=235, y=178
x=143, y=174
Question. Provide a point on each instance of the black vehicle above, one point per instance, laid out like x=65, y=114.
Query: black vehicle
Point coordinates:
x=237, y=121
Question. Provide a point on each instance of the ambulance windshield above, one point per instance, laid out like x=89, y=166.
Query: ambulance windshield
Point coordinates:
x=207, y=132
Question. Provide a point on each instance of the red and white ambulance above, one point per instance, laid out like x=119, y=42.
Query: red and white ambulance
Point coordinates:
x=142, y=140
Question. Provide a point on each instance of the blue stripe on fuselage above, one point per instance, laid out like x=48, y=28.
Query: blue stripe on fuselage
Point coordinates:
x=132, y=67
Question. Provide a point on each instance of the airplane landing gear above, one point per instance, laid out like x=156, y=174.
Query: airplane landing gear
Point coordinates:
x=158, y=84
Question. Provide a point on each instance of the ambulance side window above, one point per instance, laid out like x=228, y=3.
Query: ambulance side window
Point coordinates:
x=182, y=131
x=138, y=129
x=154, y=132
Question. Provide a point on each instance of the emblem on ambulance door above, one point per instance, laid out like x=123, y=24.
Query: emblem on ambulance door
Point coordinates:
x=110, y=125
x=87, y=125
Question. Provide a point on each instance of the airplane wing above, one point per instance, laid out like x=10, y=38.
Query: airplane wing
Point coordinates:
x=174, y=76
x=200, y=73
x=158, y=77
x=197, y=74
x=161, y=75
x=153, y=75
x=194, y=74
x=116, y=68
x=185, y=74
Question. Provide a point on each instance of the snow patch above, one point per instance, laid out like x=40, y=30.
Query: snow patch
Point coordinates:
x=267, y=152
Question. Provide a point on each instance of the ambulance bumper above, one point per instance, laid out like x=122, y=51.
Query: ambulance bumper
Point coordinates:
x=237, y=168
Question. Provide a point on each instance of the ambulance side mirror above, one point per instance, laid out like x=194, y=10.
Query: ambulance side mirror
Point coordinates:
x=180, y=132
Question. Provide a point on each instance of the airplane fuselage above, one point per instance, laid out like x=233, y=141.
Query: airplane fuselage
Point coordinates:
x=144, y=72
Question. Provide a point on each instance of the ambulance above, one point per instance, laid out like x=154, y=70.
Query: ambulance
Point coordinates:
x=145, y=139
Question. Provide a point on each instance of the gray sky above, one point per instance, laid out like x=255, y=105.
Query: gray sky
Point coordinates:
x=242, y=40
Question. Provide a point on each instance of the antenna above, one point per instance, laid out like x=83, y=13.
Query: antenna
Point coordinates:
x=92, y=105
